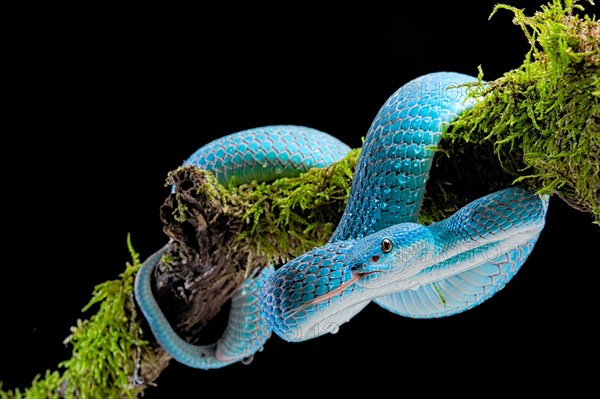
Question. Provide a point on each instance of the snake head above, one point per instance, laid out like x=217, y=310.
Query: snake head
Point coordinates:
x=319, y=291
x=391, y=254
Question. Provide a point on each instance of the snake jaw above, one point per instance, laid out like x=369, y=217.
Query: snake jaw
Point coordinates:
x=365, y=276
x=375, y=264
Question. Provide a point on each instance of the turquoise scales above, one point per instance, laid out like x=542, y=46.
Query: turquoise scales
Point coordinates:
x=268, y=153
x=377, y=253
x=256, y=154
x=245, y=334
x=515, y=216
x=387, y=190
x=439, y=270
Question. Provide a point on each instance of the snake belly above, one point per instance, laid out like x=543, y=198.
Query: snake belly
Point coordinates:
x=260, y=154
x=429, y=271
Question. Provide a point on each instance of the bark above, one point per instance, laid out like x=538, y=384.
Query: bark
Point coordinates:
x=207, y=266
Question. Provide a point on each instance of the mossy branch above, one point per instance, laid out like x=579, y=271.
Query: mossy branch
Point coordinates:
x=107, y=348
x=285, y=218
x=541, y=121
x=538, y=125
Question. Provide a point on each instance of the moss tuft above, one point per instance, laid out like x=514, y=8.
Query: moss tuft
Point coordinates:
x=46, y=387
x=289, y=216
x=107, y=348
x=538, y=125
x=543, y=119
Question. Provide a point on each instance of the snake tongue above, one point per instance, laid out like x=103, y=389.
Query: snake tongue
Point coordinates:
x=355, y=277
x=364, y=269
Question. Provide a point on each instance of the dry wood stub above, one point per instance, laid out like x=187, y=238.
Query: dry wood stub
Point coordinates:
x=203, y=266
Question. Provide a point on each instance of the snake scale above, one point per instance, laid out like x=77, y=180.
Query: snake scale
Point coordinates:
x=378, y=252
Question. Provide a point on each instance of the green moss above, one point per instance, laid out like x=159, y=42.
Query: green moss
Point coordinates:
x=107, y=348
x=46, y=387
x=285, y=218
x=181, y=211
x=538, y=125
x=168, y=261
x=542, y=120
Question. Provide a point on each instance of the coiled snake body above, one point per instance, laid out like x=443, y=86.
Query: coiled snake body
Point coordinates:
x=378, y=253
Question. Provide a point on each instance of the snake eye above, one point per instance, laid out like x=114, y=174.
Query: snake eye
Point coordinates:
x=386, y=245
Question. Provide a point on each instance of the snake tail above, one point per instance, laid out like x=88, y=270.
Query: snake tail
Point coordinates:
x=246, y=331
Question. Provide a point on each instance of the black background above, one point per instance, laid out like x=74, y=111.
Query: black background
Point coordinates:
x=111, y=100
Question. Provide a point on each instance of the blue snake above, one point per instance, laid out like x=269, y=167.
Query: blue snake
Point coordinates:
x=378, y=252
